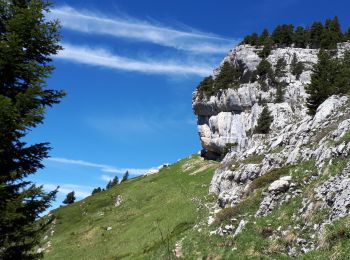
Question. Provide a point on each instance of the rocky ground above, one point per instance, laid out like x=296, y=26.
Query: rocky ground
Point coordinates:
x=295, y=139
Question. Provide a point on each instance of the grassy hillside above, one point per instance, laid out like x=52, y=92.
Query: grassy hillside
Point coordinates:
x=156, y=211
x=171, y=208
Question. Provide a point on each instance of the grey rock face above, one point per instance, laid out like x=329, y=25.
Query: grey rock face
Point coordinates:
x=336, y=194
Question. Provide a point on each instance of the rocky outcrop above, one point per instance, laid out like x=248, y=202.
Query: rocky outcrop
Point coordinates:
x=230, y=116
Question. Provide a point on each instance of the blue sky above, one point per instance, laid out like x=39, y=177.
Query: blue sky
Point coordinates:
x=129, y=68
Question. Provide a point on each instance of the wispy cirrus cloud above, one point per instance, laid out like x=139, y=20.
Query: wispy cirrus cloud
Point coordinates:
x=102, y=167
x=79, y=190
x=144, y=31
x=103, y=58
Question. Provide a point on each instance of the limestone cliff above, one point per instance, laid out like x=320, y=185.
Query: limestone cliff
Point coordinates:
x=229, y=117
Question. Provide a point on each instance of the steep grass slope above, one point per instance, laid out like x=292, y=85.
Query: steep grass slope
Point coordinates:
x=155, y=211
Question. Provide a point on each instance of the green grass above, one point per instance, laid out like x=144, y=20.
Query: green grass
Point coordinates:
x=156, y=211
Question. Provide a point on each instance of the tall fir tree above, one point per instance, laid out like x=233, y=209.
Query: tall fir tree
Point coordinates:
x=300, y=38
x=323, y=80
x=331, y=34
x=265, y=35
x=228, y=75
x=125, y=176
x=27, y=42
x=316, y=31
x=264, y=122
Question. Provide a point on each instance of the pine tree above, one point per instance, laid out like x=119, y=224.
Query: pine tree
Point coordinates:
x=300, y=37
x=27, y=42
x=70, y=198
x=346, y=36
x=323, y=81
x=264, y=122
x=227, y=76
x=125, y=176
x=96, y=190
x=283, y=35
x=206, y=87
x=280, y=69
x=279, y=94
x=343, y=76
x=296, y=67
x=316, y=31
x=265, y=52
x=265, y=35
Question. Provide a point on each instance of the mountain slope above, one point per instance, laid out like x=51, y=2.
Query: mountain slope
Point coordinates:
x=155, y=211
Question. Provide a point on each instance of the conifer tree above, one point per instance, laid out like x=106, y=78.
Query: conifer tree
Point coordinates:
x=331, y=34
x=265, y=52
x=280, y=69
x=323, y=81
x=227, y=76
x=96, y=190
x=346, y=36
x=279, y=94
x=316, y=31
x=70, y=198
x=264, y=122
x=265, y=35
x=296, y=67
x=283, y=35
x=125, y=176
x=27, y=42
x=300, y=37
x=206, y=87
x=342, y=85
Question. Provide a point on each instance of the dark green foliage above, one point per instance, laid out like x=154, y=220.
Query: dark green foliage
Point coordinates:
x=279, y=94
x=283, y=35
x=113, y=182
x=330, y=76
x=264, y=121
x=280, y=69
x=96, y=190
x=347, y=35
x=228, y=75
x=323, y=81
x=27, y=43
x=125, y=176
x=251, y=39
x=331, y=34
x=326, y=36
x=296, y=67
x=301, y=37
x=264, y=37
x=316, y=31
x=70, y=198
x=265, y=52
x=342, y=85
x=264, y=71
x=206, y=87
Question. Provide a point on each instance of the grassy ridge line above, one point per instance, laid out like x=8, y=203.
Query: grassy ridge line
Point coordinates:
x=156, y=210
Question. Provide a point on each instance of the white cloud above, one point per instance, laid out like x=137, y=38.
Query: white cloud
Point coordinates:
x=103, y=58
x=102, y=167
x=106, y=178
x=79, y=190
x=121, y=27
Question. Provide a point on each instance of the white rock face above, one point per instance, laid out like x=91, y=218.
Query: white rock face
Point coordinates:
x=230, y=116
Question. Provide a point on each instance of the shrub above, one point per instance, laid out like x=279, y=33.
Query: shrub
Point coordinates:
x=206, y=87
x=264, y=121
x=296, y=67
x=70, y=198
